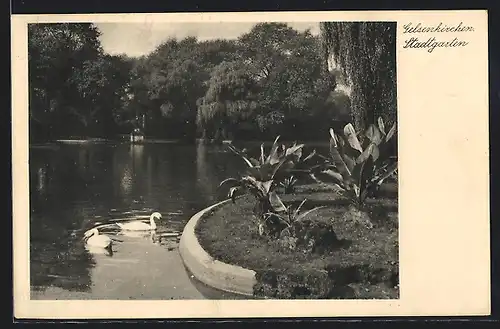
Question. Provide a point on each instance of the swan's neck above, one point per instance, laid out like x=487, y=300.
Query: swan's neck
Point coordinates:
x=152, y=223
x=93, y=233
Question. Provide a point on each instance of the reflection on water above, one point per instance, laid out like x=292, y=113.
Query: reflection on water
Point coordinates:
x=94, y=250
x=212, y=159
x=61, y=264
x=75, y=187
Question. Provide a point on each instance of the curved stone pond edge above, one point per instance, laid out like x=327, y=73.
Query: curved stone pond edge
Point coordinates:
x=205, y=268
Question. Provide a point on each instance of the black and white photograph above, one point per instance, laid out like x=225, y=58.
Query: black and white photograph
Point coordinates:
x=262, y=165
x=287, y=131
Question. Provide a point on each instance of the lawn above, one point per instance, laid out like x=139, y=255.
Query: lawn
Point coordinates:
x=361, y=263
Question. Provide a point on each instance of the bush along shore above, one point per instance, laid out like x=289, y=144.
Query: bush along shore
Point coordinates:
x=315, y=226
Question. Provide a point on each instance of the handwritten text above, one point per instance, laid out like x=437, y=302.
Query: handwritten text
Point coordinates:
x=432, y=42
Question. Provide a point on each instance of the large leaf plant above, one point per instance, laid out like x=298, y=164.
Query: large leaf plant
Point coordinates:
x=358, y=168
x=262, y=177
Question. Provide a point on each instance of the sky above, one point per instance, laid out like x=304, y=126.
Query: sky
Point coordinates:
x=136, y=39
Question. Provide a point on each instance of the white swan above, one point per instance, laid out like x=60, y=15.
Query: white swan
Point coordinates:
x=138, y=225
x=94, y=239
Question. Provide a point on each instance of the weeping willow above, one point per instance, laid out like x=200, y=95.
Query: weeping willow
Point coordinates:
x=228, y=101
x=365, y=54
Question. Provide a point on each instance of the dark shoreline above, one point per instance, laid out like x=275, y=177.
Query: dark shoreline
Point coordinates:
x=55, y=143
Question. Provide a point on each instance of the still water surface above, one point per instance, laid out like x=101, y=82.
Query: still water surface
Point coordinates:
x=75, y=187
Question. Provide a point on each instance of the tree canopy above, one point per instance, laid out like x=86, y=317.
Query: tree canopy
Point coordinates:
x=271, y=80
x=75, y=89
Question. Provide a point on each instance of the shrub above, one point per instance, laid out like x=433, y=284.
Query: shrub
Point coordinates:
x=262, y=178
x=288, y=185
x=288, y=216
x=315, y=236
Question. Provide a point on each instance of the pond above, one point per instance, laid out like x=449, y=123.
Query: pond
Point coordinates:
x=74, y=187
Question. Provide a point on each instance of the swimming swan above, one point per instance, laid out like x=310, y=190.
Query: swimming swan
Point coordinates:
x=94, y=239
x=138, y=225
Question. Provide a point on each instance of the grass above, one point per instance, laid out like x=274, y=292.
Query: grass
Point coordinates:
x=365, y=265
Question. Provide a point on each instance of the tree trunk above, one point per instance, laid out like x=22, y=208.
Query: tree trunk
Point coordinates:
x=364, y=54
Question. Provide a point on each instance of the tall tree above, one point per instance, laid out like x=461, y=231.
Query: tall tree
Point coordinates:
x=177, y=90
x=365, y=54
x=169, y=81
x=138, y=101
x=288, y=69
x=103, y=85
x=229, y=100
x=75, y=88
x=56, y=56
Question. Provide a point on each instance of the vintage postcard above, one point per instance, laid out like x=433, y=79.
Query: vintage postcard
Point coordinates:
x=237, y=165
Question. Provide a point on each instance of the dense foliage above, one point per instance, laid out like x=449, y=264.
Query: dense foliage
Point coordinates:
x=269, y=81
x=75, y=88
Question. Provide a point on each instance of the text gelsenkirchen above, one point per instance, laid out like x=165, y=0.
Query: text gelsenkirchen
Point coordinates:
x=431, y=43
